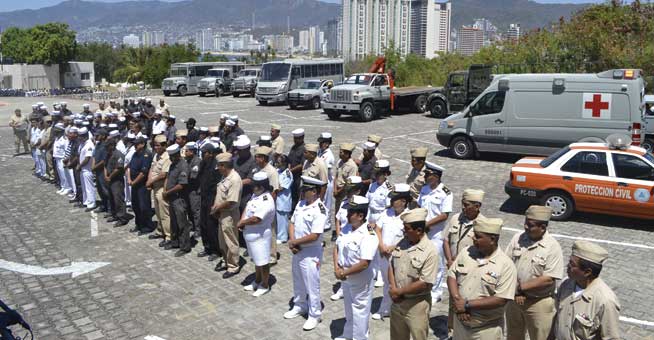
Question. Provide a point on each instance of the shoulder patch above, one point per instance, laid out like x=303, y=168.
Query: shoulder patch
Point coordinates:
x=265, y=197
x=389, y=185
x=446, y=190
x=371, y=230
x=322, y=208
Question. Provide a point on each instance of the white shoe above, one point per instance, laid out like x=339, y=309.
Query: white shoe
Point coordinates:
x=71, y=195
x=278, y=242
x=311, y=323
x=337, y=296
x=260, y=291
x=60, y=191
x=294, y=313
x=341, y=338
x=379, y=316
x=379, y=283
x=251, y=287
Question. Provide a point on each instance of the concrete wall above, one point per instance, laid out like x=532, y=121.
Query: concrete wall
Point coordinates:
x=74, y=72
x=28, y=77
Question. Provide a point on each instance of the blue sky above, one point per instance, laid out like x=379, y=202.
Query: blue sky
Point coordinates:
x=10, y=5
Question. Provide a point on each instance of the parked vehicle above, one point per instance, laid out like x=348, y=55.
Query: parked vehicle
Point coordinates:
x=217, y=82
x=539, y=113
x=184, y=77
x=648, y=123
x=461, y=88
x=279, y=77
x=309, y=93
x=246, y=81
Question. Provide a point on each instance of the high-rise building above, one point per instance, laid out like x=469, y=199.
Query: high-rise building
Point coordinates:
x=430, y=27
x=280, y=43
x=146, y=39
x=158, y=38
x=514, y=32
x=204, y=40
x=131, y=40
x=303, y=41
x=471, y=40
x=331, y=35
x=314, y=40
x=490, y=31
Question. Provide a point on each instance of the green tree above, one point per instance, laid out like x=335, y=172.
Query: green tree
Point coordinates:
x=51, y=43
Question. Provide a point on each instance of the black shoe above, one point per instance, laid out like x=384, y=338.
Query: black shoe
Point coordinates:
x=78, y=205
x=112, y=219
x=108, y=215
x=212, y=257
x=89, y=209
x=102, y=210
x=220, y=267
x=203, y=253
x=119, y=223
x=334, y=237
x=171, y=245
x=72, y=200
x=182, y=252
x=163, y=243
x=154, y=237
x=135, y=230
x=228, y=274
x=144, y=232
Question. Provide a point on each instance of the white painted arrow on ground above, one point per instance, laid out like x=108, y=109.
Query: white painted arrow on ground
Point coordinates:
x=75, y=268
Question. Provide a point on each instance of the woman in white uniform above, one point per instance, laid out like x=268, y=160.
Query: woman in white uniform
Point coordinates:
x=256, y=224
x=390, y=231
x=378, y=191
x=355, y=250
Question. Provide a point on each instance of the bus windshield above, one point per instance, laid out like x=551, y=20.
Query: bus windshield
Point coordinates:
x=178, y=72
x=311, y=84
x=275, y=72
x=247, y=73
x=363, y=79
x=215, y=73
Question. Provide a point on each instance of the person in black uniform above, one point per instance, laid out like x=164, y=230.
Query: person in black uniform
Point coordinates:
x=230, y=135
x=176, y=182
x=99, y=161
x=138, y=170
x=113, y=174
x=208, y=179
x=192, y=190
x=367, y=165
x=295, y=161
x=193, y=133
x=244, y=164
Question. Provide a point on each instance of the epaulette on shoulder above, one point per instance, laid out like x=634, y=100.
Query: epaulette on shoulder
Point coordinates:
x=389, y=185
x=446, y=190
x=265, y=197
x=322, y=208
x=371, y=229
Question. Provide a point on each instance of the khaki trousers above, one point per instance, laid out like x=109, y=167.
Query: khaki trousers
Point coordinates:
x=162, y=210
x=273, y=243
x=534, y=317
x=20, y=137
x=492, y=331
x=410, y=319
x=228, y=241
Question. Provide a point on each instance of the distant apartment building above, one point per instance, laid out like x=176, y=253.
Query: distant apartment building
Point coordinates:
x=234, y=42
x=514, y=32
x=314, y=40
x=204, y=40
x=332, y=38
x=131, y=41
x=471, y=40
x=415, y=26
x=303, y=40
x=282, y=42
x=155, y=38
x=490, y=30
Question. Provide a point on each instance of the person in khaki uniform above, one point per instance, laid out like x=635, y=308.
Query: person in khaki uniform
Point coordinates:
x=416, y=177
x=586, y=308
x=226, y=210
x=539, y=263
x=413, y=267
x=156, y=180
x=315, y=167
x=481, y=281
x=459, y=235
x=344, y=169
x=19, y=125
x=276, y=140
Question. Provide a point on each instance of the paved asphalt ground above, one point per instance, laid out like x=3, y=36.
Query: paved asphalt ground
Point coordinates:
x=145, y=292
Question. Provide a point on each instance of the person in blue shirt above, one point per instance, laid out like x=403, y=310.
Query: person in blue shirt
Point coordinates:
x=137, y=171
x=284, y=199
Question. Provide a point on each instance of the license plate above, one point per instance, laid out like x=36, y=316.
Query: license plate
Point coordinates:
x=527, y=193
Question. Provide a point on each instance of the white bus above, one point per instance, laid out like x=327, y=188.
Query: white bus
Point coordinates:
x=184, y=77
x=279, y=77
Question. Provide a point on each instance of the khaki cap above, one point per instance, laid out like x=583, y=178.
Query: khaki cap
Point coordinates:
x=488, y=225
x=213, y=129
x=47, y=119
x=374, y=139
x=589, y=251
x=181, y=133
x=312, y=148
x=473, y=195
x=414, y=215
x=262, y=150
x=420, y=152
x=347, y=147
x=160, y=139
x=224, y=157
x=539, y=213
x=276, y=127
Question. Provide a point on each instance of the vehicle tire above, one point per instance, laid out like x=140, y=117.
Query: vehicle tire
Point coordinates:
x=166, y=93
x=315, y=103
x=561, y=204
x=421, y=104
x=648, y=145
x=182, y=90
x=201, y=94
x=462, y=147
x=438, y=108
x=333, y=115
x=367, y=112
x=263, y=103
x=293, y=106
x=235, y=95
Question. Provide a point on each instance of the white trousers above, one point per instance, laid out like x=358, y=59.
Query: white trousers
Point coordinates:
x=63, y=178
x=329, y=199
x=128, y=193
x=357, y=295
x=385, y=306
x=306, y=280
x=88, y=188
x=436, y=289
x=70, y=178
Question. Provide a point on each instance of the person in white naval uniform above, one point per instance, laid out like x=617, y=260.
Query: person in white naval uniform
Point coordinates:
x=86, y=174
x=355, y=250
x=326, y=154
x=58, y=154
x=305, y=241
x=390, y=231
x=437, y=199
x=352, y=187
x=378, y=191
x=256, y=224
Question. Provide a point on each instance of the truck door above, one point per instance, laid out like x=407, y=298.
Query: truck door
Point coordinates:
x=455, y=91
x=479, y=77
x=487, y=122
x=383, y=90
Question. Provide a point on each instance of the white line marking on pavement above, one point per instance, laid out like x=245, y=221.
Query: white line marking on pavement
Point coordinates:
x=281, y=114
x=153, y=337
x=228, y=111
x=625, y=244
x=94, y=224
x=402, y=161
x=422, y=141
x=75, y=268
x=636, y=321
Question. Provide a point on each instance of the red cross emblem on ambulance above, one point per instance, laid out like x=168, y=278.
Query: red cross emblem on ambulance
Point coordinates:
x=596, y=106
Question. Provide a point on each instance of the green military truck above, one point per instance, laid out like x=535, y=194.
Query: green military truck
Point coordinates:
x=461, y=88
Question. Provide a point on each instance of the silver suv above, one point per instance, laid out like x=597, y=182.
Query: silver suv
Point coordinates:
x=246, y=82
x=309, y=93
x=217, y=82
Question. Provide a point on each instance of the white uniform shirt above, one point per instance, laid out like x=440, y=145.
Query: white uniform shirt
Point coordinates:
x=356, y=245
x=309, y=219
x=59, y=147
x=120, y=146
x=158, y=127
x=263, y=207
x=436, y=202
x=129, y=154
x=86, y=150
x=341, y=214
x=328, y=157
x=392, y=227
x=377, y=195
x=35, y=135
